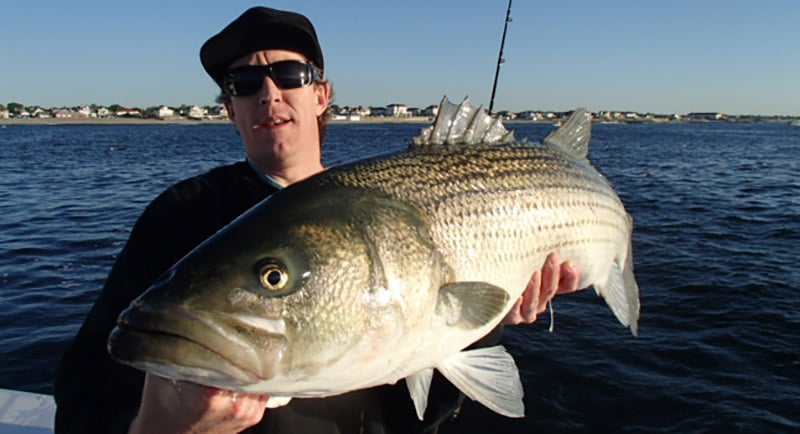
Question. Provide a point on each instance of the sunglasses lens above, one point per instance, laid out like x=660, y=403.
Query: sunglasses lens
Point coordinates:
x=246, y=80
x=291, y=74
x=288, y=74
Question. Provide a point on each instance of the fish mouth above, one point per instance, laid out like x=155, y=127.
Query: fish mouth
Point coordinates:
x=216, y=349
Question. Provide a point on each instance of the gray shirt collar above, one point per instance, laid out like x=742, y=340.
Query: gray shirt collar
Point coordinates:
x=264, y=176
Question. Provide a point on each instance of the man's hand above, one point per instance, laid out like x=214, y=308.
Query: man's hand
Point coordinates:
x=183, y=407
x=554, y=278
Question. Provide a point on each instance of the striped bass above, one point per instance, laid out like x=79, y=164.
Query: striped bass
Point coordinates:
x=388, y=268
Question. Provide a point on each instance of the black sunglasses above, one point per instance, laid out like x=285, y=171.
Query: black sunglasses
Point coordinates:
x=288, y=74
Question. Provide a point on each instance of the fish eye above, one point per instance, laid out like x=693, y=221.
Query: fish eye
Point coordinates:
x=273, y=277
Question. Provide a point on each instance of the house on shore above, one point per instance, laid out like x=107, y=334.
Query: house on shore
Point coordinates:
x=431, y=111
x=127, y=112
x=397, y=110
x=163, y=112
x=704, y=117
x=218, y=112
x=196, y=112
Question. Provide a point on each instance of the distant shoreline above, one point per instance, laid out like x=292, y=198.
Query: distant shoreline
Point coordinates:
x=422, y=120
x=186, y=121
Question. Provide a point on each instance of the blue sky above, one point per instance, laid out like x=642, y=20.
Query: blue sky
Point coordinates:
x=676, y=56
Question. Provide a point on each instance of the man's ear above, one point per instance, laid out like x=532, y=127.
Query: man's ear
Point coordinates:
x=229, y=109
x=323, y=91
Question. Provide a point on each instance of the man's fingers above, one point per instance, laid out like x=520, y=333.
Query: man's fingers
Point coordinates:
x=550, y=279
x=513, y=317
x=570, y=278
x=554, y=278
x=530, y=298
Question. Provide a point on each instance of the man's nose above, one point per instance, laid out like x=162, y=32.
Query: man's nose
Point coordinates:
x=270, y=92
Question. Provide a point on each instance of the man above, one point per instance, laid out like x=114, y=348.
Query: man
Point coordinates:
x=269, y=66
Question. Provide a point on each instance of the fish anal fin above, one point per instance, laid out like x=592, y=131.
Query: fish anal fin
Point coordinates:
x=278, y=401
x=621, y=293
x=419, y=385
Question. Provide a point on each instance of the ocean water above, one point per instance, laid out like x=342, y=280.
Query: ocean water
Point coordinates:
x=717, y=228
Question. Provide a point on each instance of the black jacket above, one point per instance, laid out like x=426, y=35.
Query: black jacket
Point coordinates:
x=94, y=394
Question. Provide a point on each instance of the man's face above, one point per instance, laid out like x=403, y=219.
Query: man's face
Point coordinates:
x=279, y=126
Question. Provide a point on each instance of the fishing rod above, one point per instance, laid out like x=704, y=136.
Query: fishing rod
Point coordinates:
x=500, y=59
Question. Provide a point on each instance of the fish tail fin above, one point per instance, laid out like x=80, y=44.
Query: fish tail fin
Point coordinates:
x=487, y=375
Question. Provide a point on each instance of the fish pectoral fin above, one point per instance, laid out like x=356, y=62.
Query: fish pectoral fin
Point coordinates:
x=278, y=401
x=419, y=385
x=470, y=305
x=487, y=375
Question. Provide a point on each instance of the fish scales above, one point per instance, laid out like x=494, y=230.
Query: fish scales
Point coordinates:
x=520, y=201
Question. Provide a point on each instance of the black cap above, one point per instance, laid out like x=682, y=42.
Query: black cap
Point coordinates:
x=260, y=28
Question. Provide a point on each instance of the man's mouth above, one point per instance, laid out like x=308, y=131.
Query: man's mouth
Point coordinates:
x=271, y=123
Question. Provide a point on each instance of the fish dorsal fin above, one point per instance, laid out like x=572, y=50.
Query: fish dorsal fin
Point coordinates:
x=419, y=385
x=462, y=124
x=487, y=375
x=573, y=136
x=470, y=305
